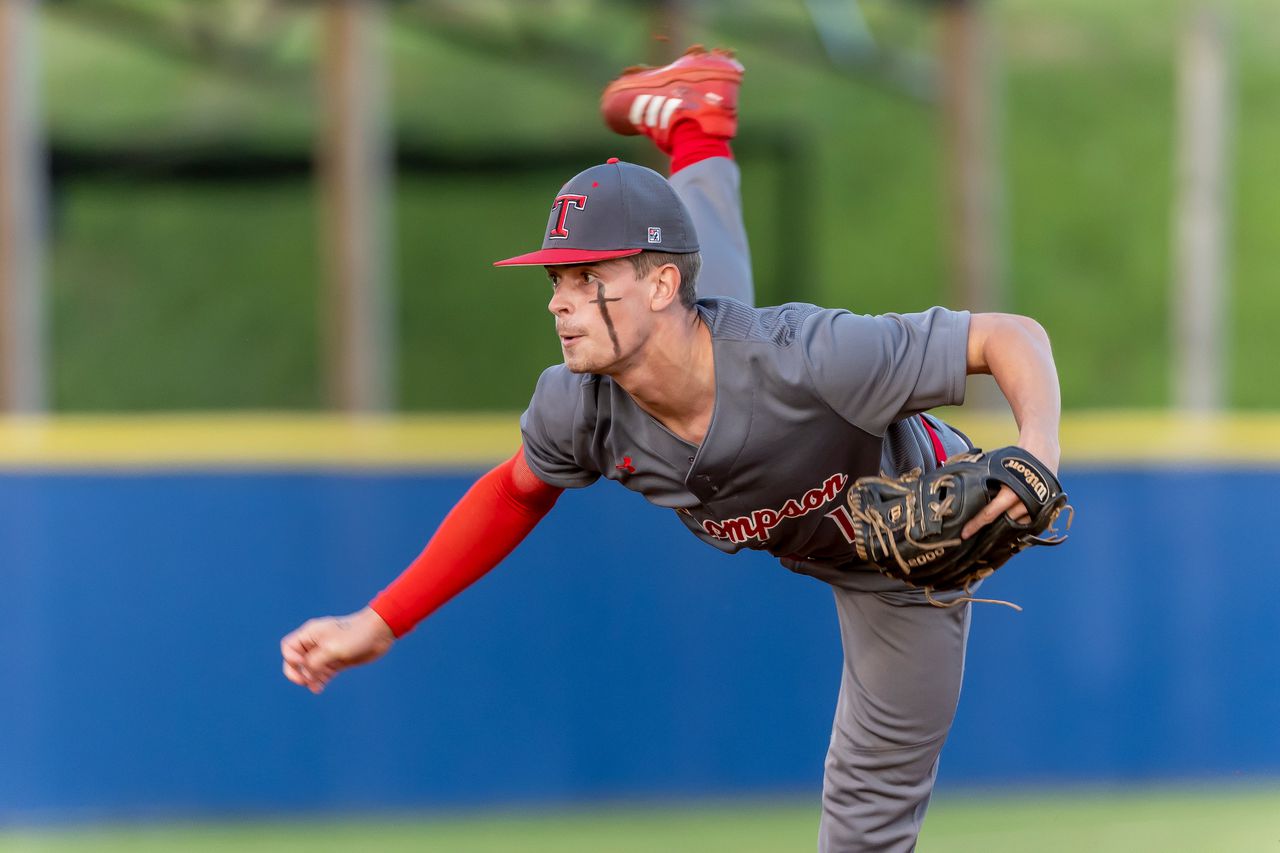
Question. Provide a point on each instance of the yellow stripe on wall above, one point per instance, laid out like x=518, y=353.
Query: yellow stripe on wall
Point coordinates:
x=252, y=440
x=1103, y=437
x=301, y=441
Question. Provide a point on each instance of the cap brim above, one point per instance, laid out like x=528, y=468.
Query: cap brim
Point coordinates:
x=551, y=257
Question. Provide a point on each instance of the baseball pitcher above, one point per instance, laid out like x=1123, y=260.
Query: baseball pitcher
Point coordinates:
x=675, y=387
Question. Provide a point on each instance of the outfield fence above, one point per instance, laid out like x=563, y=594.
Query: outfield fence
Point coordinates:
x=150, y=565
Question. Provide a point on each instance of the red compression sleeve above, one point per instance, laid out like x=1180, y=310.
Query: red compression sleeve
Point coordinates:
x=482, y=528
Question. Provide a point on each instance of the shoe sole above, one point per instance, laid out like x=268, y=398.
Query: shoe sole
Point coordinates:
x=684, y=75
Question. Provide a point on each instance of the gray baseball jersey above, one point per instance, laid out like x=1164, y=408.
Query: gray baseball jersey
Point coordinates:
x=805, y=397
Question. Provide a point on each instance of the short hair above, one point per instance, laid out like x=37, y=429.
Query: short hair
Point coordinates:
x=687, y=262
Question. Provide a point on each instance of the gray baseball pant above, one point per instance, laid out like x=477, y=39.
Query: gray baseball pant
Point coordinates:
x=903, y=657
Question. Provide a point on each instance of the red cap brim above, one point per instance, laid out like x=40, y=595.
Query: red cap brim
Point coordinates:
x=552, y=257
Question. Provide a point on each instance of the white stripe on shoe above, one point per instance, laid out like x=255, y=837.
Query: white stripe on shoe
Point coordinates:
x=655, y=107
x=637, y=109
x=671, y=106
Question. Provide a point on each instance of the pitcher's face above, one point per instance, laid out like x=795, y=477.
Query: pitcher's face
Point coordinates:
x=603, y=313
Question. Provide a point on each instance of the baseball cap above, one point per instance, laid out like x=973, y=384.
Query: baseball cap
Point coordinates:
x=612, y=210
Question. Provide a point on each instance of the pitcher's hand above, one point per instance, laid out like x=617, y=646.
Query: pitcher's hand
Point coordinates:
x=321, y=648
x=1044, y=449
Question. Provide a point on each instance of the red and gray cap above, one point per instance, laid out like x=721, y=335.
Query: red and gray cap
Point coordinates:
x=612, y=210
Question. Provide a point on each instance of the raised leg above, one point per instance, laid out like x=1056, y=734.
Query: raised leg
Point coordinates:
x=689, y=109
x=710, y=189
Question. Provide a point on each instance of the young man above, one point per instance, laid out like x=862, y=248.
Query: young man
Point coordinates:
x=750, y=424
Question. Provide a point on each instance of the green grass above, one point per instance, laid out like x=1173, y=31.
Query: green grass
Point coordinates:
x=1169, y=821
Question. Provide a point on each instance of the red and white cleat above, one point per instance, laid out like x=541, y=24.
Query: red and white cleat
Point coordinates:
x=702, y=85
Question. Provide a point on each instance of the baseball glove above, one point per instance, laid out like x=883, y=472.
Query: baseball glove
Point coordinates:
x=909, y=527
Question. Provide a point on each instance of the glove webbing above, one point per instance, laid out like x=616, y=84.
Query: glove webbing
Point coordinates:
x=940, y=510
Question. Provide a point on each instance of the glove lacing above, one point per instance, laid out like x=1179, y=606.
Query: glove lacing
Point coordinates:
x=875, y=520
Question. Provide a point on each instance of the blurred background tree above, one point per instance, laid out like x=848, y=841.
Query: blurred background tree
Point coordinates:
x=185, y=238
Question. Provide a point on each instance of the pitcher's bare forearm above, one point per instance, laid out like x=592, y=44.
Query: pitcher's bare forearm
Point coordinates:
x=1016, y=352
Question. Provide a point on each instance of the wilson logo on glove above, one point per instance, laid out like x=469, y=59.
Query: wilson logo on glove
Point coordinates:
x=1033, y=482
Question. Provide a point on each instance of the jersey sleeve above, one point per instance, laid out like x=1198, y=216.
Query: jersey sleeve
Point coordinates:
x=873, y=370
x=549, y=426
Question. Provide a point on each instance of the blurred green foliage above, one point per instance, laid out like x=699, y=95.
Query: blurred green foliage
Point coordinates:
x=207, y=294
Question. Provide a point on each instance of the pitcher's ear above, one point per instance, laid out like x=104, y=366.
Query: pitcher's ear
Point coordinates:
x=666, y=287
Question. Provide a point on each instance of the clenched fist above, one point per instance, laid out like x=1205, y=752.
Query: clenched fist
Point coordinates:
x=321, y=648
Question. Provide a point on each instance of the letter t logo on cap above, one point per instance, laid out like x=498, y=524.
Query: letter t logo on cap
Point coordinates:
x=562, y=205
